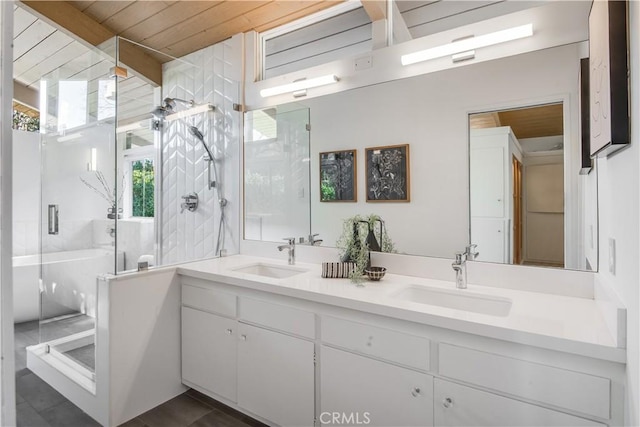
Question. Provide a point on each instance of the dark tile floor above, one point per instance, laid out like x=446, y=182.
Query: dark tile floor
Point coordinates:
x=38, y=404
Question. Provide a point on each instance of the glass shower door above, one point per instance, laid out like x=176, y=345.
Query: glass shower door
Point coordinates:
x=79, y=202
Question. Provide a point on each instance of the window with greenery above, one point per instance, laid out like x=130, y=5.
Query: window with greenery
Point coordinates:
x=22, y=121
x=142, y=186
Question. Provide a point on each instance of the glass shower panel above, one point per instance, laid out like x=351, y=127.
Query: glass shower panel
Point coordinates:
x=79, y=202
x=138, y=143
x=276, y=173
x=179, y=157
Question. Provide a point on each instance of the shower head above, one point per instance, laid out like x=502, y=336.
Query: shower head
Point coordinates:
x=160, y=112
x=168, y=107
x=196, y=132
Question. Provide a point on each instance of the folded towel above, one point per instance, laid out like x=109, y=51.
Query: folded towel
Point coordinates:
x=337, y=270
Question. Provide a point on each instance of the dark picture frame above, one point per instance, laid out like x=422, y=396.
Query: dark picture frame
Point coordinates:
x=388, y=174
x=338, y=176
x=586, y=163
x=609, y=80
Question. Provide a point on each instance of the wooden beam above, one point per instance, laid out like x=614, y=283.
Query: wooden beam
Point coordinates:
x=138, y=58
x=67, y=18
x=376, y=9
x=26, y=95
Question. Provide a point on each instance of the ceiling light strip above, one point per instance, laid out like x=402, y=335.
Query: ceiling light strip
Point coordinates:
x=299, y=85
x=469, y=44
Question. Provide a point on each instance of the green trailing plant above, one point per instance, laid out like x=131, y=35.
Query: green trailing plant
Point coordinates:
x=353, y=242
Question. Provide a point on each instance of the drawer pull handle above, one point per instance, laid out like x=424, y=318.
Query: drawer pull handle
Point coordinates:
x=229, y=331
x=415, y=392
x=243, y=337
x=447, y=402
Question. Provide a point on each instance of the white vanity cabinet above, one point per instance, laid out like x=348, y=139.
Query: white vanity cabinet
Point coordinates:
x=458, y=405
x=276, y=376
x=248, y=352
x=209, y=354
x=373, y=392
x=362, y=377
x=293, y=362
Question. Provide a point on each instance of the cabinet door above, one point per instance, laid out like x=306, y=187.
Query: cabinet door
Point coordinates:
x=209, y=353
x=276, y=376
x=492, y=237
x=355, y=388
x=457, y=405
x=487, y=182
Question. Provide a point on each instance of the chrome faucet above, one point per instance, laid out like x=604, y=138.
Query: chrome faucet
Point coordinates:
x=291, y=246
x=460, y=267
x=471, y=252
x=313, y=241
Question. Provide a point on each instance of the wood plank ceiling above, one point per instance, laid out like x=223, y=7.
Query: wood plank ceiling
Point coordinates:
x=533, y=122
x=178, y=28
x=175, y=28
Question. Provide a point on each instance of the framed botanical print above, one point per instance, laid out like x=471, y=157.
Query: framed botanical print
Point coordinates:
x=608, y=77
x=387, y=172
x=338, y=176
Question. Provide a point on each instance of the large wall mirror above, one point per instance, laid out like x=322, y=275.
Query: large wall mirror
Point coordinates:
x=444, y=118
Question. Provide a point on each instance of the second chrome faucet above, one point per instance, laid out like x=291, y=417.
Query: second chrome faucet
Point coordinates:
x=291, y=246
x=460, y=265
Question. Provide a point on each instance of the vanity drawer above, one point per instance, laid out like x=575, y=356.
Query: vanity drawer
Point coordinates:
x=572, y=390
x=409, y=350
x=277, y=316
x=209, y=300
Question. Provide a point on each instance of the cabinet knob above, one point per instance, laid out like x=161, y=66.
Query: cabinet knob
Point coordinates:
x=243, y=337
x=229, y=331
x=447, y=402
x=415, y=392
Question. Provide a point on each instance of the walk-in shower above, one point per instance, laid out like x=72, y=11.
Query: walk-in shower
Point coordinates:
x=169, y=109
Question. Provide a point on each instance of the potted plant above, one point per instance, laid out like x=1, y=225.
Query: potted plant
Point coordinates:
x=360, y=235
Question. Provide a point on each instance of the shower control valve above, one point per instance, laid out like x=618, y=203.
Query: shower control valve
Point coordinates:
x=190, y=202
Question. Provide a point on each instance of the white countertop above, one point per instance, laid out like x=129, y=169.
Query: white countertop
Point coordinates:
x=562, y=323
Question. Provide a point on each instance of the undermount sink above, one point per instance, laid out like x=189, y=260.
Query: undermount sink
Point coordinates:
x=274, y=271
x=456, y=299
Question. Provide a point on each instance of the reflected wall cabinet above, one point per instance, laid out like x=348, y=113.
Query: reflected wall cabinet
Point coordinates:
x=491, y=155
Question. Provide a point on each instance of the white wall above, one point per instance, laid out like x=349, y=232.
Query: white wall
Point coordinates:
x=26, y=192
x=544, y=234
x=210, y=76
x=619, y=191
x=430, y=112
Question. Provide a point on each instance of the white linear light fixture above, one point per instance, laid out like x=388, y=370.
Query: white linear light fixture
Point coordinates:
x=299, y=85
x=468, y=44
x=192, y=111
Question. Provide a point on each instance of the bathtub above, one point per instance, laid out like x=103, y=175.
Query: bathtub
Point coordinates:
x=69, y=284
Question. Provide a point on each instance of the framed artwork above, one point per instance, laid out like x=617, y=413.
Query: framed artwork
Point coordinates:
x=608, y=77
x=338, y=176
x=387, y=171
x=586, y=163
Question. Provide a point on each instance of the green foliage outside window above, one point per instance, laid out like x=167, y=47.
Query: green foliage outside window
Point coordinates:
x=142, y=180
x=22, y=121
